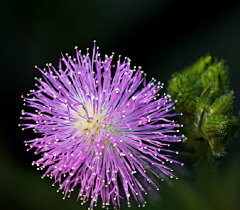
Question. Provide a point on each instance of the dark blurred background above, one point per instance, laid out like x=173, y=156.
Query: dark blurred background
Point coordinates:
x=162, y=36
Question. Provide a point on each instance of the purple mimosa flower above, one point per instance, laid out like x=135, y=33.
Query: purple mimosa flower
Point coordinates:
x=97, y=130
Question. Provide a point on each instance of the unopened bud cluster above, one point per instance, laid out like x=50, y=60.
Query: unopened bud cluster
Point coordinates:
x=207, y=105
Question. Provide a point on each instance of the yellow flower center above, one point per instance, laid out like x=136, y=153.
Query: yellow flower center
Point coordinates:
x=90, y=127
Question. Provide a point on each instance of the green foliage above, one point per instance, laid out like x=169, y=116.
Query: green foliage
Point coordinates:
x=207, y=106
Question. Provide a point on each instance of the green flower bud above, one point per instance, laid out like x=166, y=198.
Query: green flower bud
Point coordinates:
x=206, y=104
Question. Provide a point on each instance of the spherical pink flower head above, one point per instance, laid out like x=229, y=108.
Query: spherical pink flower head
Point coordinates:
x=98, y=131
